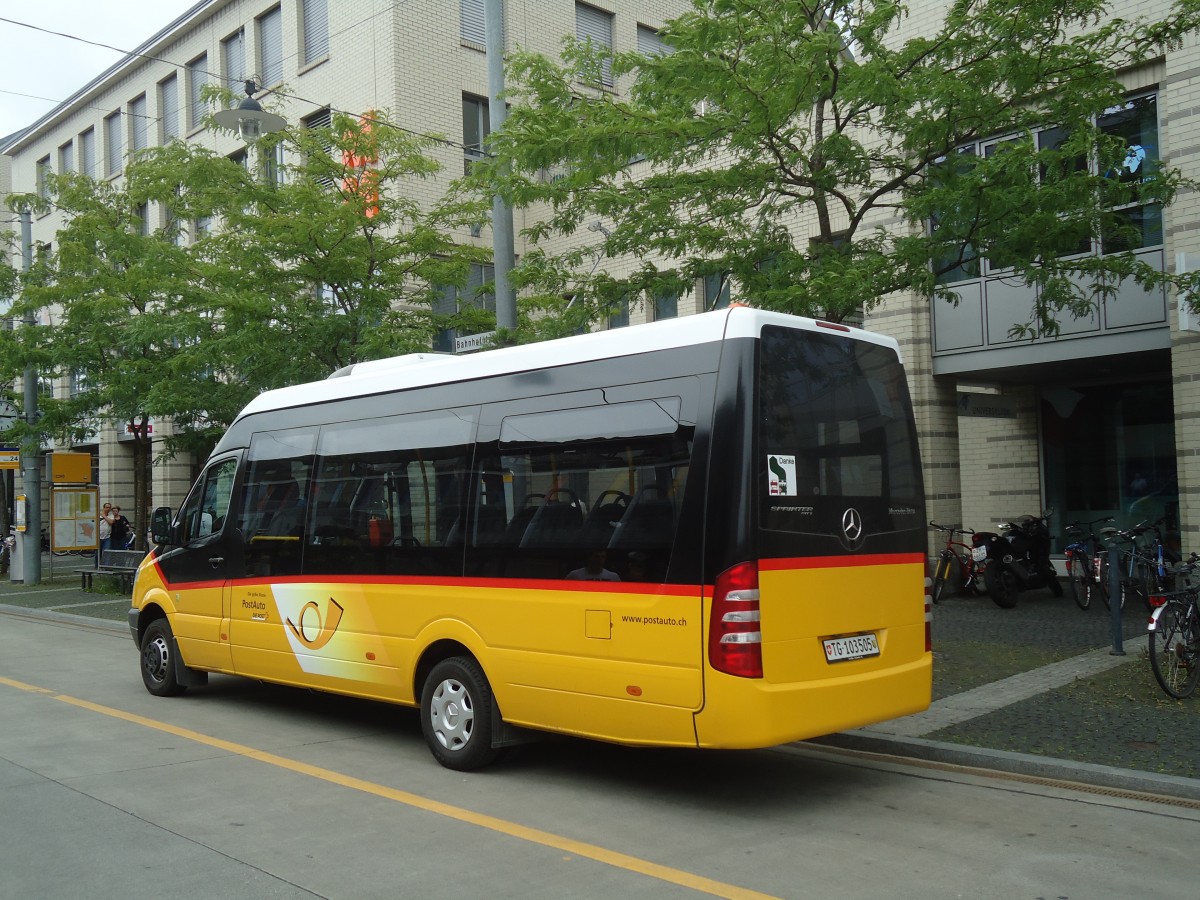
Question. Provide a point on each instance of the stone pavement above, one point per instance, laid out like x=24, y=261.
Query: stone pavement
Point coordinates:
x=1033, y=690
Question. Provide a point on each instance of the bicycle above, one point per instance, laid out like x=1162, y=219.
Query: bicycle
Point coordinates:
x=1174, y=636
x=1085, y=561
x=951, y=559
x=1144, y=569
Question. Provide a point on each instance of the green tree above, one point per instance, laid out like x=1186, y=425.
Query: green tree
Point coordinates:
x=801, y=149
x=200, y=280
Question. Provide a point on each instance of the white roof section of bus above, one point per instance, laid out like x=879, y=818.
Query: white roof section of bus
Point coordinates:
x=427, y=369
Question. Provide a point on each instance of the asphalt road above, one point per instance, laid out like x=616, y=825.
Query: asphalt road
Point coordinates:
x=255, y=791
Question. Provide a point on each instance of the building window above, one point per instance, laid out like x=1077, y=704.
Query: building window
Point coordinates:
x=716, y=290
x=472, y=24
x=320, y=122
x=168, y=108
x=649, y=43
x=450, y=301
x=139, y=125
x=43, y=177
x=1110, y=450
x=1136, y=123
x=197, y=72
x=87, y=153
x=618, y=314
x=66, y=158
x=314, y=20
x=666, y=305
x=114, y=144
x=596, y=26
x=274, y=173
x=476, y=128
x=142, y=216
x=270, y=47
x=233, y=51
x=201, y=227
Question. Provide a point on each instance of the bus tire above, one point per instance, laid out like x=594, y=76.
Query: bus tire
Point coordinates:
x=456, y=714
x=158, y=660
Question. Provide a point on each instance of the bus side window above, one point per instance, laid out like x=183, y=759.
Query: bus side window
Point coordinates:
x=205, y=510
x=275, y=501
x=582, y=506
x=389, y=495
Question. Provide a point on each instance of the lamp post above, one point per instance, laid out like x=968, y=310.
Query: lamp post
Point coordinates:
x=248, y=118
x=31, y=453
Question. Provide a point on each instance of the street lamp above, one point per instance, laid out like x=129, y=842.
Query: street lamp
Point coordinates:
x=249, y=119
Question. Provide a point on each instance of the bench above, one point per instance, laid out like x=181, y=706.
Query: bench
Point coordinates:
x=121, y=563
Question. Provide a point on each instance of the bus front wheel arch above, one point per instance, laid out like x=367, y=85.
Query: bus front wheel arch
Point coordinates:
x=457, y=713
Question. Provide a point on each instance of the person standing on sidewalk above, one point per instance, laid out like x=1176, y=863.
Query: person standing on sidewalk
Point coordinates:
x=120, y=529
x=105, y=527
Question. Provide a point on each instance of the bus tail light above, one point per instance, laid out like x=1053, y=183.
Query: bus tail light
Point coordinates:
x=735, y=633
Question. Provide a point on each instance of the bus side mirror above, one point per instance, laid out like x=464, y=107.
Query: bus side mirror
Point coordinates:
x=160, y=526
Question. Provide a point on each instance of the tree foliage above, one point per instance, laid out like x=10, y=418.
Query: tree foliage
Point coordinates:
x=801, y=148
x=198, y=281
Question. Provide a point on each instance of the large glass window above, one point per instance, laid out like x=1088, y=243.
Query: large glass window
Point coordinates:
x=583, y=494
x=275, y=498
x=1110, y=451
x=1134, y=123
x=388, y=495
x=205, y=509
x=835, y=431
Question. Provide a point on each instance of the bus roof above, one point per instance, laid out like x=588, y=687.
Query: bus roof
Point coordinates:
x=427, y=369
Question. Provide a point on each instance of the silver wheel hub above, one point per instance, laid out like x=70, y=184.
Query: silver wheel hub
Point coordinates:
x=155, y=658
x=452, y=714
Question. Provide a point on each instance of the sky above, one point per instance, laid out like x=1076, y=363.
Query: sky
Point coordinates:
x=51, y=68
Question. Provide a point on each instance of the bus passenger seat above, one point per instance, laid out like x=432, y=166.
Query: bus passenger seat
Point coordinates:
x=555, y=524
x=646, y=524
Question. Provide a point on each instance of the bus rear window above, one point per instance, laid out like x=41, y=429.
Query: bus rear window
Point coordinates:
x=835, y=430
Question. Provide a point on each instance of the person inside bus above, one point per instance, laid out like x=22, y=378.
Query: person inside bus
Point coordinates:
x=594, y=570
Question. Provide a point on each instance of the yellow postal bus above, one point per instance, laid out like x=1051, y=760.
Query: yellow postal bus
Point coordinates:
x=704, y=532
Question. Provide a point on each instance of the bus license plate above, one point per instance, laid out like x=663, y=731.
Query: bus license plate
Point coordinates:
x=858, y=646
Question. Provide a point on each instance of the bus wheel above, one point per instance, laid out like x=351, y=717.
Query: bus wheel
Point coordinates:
x=456, y=714
x=158, y=665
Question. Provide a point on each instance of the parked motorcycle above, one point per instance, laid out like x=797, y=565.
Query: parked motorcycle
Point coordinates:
x=1017, y=560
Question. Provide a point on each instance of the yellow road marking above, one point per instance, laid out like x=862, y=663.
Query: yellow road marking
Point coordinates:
x=492, y=823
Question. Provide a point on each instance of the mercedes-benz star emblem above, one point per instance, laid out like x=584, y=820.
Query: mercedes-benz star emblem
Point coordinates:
x=852, y=524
